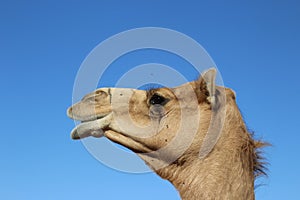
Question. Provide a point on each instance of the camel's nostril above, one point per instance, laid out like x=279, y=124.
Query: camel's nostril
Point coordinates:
x=101, y=93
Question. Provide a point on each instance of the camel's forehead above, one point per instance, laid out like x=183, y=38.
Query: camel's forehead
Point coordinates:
x=142, y=94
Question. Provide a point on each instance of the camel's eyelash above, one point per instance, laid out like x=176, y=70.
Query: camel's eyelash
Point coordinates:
x=150, y=92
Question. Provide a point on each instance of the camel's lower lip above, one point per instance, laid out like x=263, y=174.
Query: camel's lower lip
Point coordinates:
x=91, y=127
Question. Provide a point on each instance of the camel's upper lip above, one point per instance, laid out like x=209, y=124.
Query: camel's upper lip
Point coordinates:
x=91, y=117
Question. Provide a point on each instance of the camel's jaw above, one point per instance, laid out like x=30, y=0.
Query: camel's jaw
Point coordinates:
x=127, y=141
x=99, y=127
x=92, y=126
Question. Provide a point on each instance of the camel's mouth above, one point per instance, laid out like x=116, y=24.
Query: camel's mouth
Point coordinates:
x=91, y=127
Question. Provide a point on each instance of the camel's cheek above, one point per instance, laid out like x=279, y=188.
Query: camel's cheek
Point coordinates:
x=139, y=112
x=166, y=133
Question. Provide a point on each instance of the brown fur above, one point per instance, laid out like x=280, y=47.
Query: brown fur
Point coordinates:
x=229, y=169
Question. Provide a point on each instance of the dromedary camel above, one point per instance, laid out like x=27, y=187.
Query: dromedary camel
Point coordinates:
x=192, y=135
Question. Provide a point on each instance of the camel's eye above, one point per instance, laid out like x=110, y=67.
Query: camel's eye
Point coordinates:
x=157, y=99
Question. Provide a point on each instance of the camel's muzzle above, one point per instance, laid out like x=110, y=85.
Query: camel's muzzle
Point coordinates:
x=92, y=126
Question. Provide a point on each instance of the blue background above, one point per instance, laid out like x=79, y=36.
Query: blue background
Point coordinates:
x=255, y=45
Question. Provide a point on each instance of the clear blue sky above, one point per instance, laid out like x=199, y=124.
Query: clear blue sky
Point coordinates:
x=255, y=45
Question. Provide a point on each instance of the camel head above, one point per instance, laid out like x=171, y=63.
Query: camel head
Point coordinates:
x=148, y=121
x=193, y=135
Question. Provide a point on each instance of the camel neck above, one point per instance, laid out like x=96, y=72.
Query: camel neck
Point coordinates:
x=211, y=179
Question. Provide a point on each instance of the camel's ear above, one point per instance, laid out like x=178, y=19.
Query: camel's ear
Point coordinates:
x=207, y=86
